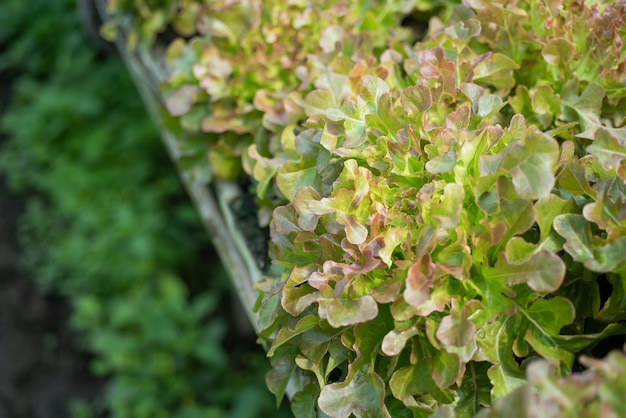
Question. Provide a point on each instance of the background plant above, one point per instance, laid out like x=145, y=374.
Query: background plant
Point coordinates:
x=109, y=227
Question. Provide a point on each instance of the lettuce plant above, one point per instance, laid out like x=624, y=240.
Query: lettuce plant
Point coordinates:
x=242, y=79
x=456, y=211
x=448, y=218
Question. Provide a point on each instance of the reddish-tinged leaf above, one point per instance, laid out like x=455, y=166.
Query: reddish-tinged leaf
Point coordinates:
x=181, y=101
x=416, y=99
x=447, y=211
x=355, y=232
x=455, y=330
x=497, y=70
x=608, y=149
x=395, y=341
x=361, y=395
x=307, y=218
x=419, y=282
x=346, y=311
x=558, y=51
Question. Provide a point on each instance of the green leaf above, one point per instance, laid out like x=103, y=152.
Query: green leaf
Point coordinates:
x=460, y=118
x=418, y=379
x=337, y=84
x=368, y=338
x=547, y=317
x=530, y=160
x=335, y=114
x=373, y=88
x=293, y=176
x=263, y=171
x=533, y=177
x=296, y=296
x=609, y=257
x=544, y=100
x=550, y=315
x=284, y=365
x=588, y=249
x=447, y=211
x=608, y=149
x=392, y=239
x=575, y=229
x=318, y=101
x=475, y=390
x=287, y=333
x=547, y=209
x=515, y=405
x=353, y=121
x=447, y=367
x=518, y=250
x=609, y=209
x=496, y=294
x=361, y=395
x=497, y=70
x=544, y=271
x=314, y=347
x=488, y=105
x=347, y=311
x=572, y=179
x=434, y=65
x=555, y=391
x=456, y=329
x=614, y=385
x=284, y=221
x=587, y=105
x=416, y=99
x=505, y=374
x=558, y=51
x=304, y=402
x=395, y=340
x=442, y=163
x=303, y=201
x=269, y=312
x=355, y=232
x=518, y=215
x=561, y=131
x=577, y=343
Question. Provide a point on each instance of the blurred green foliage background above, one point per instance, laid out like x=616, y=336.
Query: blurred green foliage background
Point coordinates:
x=109, y=226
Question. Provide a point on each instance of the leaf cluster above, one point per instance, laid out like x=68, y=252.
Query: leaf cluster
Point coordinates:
x=442, y=213
x=242, y=80
x=455, y=210
x=596, y=392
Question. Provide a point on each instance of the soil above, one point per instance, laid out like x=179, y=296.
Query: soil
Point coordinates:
x=41, y=367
